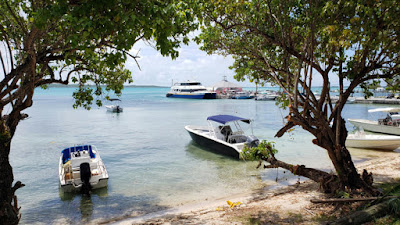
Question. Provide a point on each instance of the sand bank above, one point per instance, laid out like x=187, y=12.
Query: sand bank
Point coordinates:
x=288, y=205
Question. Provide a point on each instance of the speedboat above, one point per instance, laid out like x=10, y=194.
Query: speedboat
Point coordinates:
x=388, y=125
x=266, y=96
x=115, y=107
x=223, y=135
x=372, y=141
x=242, y=95
x=81, y=167
x=191, y=89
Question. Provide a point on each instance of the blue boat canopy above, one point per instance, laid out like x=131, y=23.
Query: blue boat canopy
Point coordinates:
x=227, y=118
x=66, y=153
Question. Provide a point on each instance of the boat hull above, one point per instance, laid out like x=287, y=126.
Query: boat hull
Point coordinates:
x=375, y=127
x=193, y=96
x=214, y=145
x=75, y=188
x=379, y=142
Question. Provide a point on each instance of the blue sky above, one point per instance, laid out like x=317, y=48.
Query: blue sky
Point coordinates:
x=192, y=64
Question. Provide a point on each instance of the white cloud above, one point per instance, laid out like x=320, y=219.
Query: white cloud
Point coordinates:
x=192, y=64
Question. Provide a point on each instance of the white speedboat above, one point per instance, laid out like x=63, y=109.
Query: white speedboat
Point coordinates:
x=81, y=167
x=226, y=137
x=242, y=95
x=266, y=96
x=373, y=141
x=115, y=107
x=388, y=125
x=191, y=89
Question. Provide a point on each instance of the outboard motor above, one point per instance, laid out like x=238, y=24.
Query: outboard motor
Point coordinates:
x=252, y=141
x=86, y=174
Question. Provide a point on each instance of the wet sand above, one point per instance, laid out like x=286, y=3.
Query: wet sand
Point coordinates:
x=286, y=205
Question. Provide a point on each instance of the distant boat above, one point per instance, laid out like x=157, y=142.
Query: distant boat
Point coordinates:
x=222, y=139
x=81, y=167
x=242, y=95
x=266, y=96
x=372, y=141
x=191, y=90
x=115, y=107
x=388, y=125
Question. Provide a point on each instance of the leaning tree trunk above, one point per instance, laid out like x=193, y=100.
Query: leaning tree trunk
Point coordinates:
x=9, y=211
x=347, y=174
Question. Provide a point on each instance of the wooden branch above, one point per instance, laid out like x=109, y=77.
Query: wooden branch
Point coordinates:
x=345, y=200
x=283, y=130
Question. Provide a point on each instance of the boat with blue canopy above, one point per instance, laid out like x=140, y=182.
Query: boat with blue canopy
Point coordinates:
x=81, y=168
x=224, y=135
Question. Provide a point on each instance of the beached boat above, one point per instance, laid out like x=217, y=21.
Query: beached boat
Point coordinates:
x=219, y=136
x=81, y=167
x=388, y=125
x=373, y=141
x=192, y=90
x=115, y=107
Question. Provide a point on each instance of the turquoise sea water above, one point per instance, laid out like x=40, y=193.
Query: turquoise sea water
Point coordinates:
x=151, y=160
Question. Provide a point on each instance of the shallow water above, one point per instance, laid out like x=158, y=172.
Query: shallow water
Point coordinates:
x=152, y=163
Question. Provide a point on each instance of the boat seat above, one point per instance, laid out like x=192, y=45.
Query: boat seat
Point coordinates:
x=226, y=131
x=218, y=134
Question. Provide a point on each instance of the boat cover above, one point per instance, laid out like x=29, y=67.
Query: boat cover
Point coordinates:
x=227, y=118
x=66, y=153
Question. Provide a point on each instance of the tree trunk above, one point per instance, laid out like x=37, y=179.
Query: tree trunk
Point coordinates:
x=9, y=211
x=348, y=176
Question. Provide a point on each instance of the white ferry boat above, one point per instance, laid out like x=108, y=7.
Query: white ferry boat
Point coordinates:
x=191, y=89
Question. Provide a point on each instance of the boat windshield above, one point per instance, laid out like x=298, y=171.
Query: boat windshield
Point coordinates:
x=66, y=153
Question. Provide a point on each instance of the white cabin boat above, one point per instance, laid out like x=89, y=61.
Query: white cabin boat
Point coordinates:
x=372, y=141
x=81, y=167
x=388, y=125
x=228, y=138
x=191, y=90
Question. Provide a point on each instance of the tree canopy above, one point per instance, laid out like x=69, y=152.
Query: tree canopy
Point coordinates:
x=291, y=42
x=81, y=41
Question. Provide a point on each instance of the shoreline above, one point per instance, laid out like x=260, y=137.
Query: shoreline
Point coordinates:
x=289, y=204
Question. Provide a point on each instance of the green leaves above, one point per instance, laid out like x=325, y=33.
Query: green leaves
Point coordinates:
x=262, y=151
x=89, y=41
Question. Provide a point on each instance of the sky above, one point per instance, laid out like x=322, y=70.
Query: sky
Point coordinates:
x=192, y=64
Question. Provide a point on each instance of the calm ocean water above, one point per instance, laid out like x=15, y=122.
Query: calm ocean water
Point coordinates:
x=152, y=163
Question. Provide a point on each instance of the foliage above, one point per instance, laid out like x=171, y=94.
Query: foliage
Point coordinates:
x=84, y=41
x=367, y=88
x=292, y=43
x=262, y=151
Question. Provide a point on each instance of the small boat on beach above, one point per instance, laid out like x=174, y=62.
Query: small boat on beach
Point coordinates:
x=81, y=167
x=115, y=107
x=373, y=141
x=388, y=125
x=191, y=90
x=226, y=137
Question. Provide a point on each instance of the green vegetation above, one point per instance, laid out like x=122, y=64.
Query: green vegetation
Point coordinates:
x=293, y=43
x=86, y=42
x=262, y=151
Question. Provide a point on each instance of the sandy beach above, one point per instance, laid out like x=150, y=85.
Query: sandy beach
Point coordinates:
x=288, y=205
